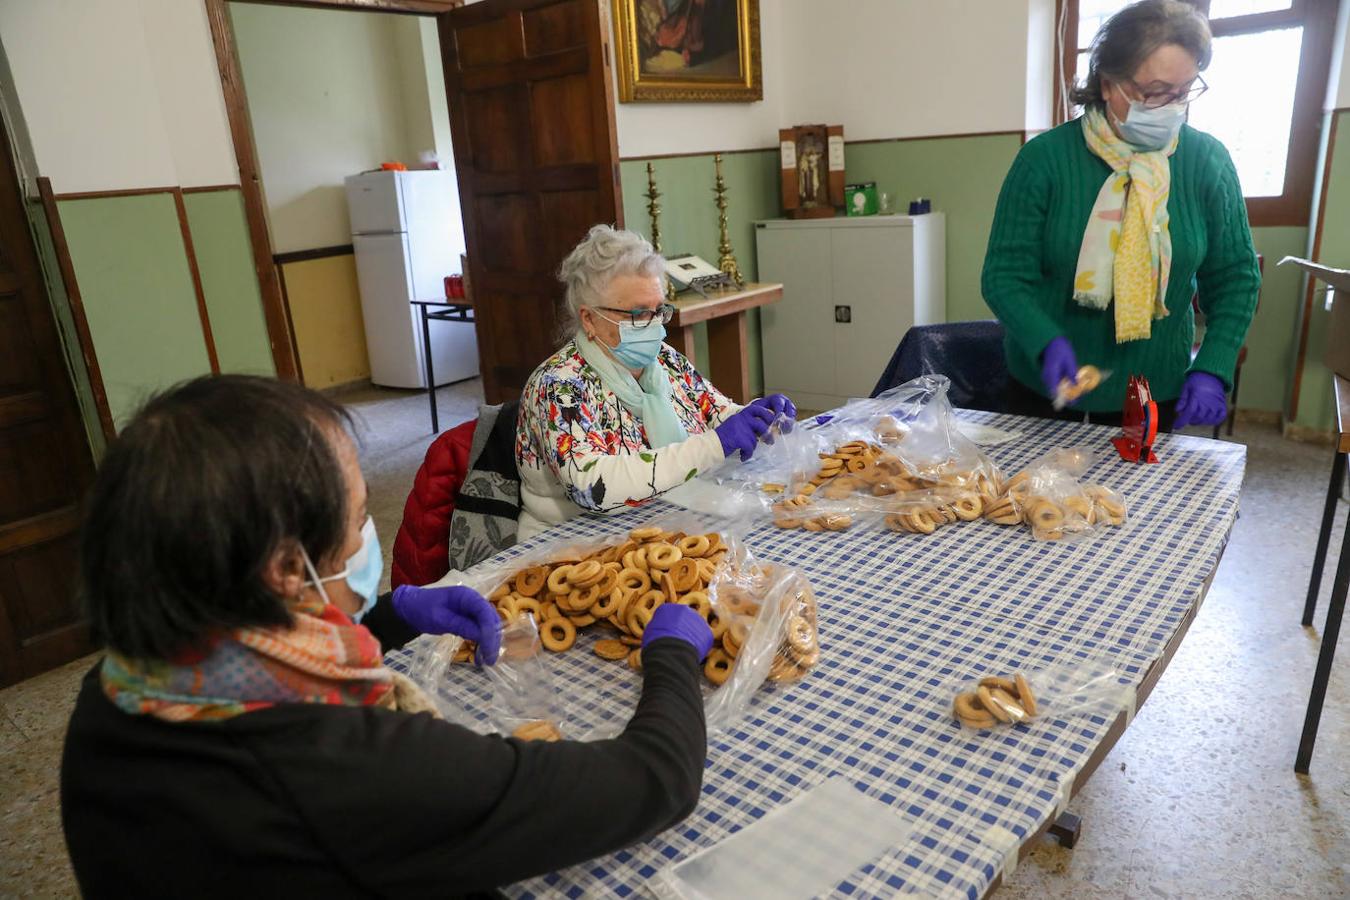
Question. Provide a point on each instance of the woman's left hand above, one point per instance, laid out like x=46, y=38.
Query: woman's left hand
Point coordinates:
x=779, y=405
x=1203, y=401
x=454, y=610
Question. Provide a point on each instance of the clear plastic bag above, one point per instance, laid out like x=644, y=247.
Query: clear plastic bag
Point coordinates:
x=598, y=596
x=1084, y=687
x=899, y=458
x=1051, y=499
x=525, y=701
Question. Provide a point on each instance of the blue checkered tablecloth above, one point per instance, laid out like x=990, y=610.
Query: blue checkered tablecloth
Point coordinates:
x=903, y=618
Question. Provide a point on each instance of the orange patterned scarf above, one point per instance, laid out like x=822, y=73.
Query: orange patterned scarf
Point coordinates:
x=323, y=658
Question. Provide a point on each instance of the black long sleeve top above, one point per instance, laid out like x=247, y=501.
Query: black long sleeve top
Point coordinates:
x=361, y=801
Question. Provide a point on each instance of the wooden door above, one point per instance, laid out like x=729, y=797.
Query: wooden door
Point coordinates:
x=532, y=119
x=45, y=461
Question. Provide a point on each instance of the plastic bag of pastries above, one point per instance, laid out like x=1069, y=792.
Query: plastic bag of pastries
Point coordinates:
x=1052, y=499
x=595, y=597
x=1013, y=696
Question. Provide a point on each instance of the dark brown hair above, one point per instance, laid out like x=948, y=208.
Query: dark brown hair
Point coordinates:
x=191, y=501
x=1130, y=37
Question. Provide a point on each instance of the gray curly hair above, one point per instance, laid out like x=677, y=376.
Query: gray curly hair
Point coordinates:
x=605, y=253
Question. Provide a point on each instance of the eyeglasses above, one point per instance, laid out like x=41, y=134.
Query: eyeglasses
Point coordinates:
x=641, y=318
x=1157, y=99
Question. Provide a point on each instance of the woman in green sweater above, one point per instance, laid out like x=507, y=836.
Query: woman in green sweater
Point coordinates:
x=1107, y=226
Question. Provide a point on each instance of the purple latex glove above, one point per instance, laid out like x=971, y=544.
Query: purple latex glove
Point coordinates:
x=779, y=405
x=1058, y=363
x=454, y=610
x=743, y=430
x=1203, y=401
x=679, y=621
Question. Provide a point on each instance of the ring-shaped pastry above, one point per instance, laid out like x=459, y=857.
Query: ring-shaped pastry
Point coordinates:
x=697, y=600
x=718, y=666
x=684, y=575
x=663, y=556
x=557, y=580
x=648, y=533
x=801, y=637
x=968, y=508
x=585, y=574
x=607, y=604
x=695, y=546
x=634, y=580
x=529, y=582
x=557, y=635
x=610, y=580
x=1046, y=515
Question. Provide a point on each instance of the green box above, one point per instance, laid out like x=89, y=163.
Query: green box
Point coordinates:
x=861, y=199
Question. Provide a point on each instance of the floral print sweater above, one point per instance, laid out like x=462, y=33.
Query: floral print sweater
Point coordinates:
x=579, y=449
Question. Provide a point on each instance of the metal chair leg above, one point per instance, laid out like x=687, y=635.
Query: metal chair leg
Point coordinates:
x=1232, y=409
x=1324, y=536
x=1325, y=657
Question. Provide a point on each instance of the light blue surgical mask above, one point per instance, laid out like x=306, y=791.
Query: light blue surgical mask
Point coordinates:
x=362, y=572
x=638, y=345
x=1151, y=129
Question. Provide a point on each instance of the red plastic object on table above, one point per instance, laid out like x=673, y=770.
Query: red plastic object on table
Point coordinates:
x=1140, y=426
x=454, y=287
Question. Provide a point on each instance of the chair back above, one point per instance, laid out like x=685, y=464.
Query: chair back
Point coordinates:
x=970, y=354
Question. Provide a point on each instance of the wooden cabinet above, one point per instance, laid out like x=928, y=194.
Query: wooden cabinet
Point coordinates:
x=852, y=287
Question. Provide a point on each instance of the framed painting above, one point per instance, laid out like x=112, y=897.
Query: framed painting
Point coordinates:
x=688, y=50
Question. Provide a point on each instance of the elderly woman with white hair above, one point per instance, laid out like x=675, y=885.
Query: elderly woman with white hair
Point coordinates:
x=617, y=417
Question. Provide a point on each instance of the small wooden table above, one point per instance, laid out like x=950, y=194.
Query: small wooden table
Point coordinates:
x=724, y=311
x=1339, y=586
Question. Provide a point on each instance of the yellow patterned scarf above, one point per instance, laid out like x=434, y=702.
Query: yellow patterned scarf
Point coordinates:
x=1127, y=247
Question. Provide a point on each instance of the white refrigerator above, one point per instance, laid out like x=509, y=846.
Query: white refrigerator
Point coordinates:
x=408, y=235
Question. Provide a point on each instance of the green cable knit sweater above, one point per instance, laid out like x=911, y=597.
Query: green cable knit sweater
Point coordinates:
x=1033, y=253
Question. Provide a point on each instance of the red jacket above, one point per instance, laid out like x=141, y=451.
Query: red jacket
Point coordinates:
x=422, y=547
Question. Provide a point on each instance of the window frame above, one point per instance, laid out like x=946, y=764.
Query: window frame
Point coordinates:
x=1318, y=19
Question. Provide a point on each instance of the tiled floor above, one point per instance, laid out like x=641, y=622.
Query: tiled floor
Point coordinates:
x=1198, y=799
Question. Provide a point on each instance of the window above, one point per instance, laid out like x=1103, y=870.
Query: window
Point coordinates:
x=1267, y=81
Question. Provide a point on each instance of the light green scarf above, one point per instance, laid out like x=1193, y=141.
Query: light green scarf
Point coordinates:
x=647, y=399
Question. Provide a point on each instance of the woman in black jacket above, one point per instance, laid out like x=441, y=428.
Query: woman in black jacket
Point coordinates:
x=242, y=736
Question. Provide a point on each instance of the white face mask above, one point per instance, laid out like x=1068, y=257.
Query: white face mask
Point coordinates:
x=1151, y=129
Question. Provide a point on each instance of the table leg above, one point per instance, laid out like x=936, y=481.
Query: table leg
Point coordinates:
x=682, y=339
x=1066, y=829
x=1326, y=655
x=728, y=364
x=431, y=378
x=1324, y=536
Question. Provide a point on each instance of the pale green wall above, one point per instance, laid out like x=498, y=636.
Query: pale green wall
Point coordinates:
x=330, y=93
x=233, y=301
x=962, y=177
x=65, y=323
x=689, y=219
x=1315, y=400
x=1271, y=341
x=138, y=296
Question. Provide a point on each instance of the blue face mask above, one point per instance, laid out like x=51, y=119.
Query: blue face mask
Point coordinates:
x=638, y=347
x=362, y=573
x=1151, y=129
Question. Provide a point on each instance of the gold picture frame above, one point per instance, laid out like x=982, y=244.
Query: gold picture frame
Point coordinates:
x=664, y=54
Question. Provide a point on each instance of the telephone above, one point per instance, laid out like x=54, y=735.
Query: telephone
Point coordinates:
x=689, y=271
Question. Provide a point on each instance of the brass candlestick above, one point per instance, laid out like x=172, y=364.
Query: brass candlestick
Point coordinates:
x=654, y=212
x=654, y=207
x=726, y=260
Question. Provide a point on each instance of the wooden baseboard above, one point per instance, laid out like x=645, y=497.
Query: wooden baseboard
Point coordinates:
x=1305, y=435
